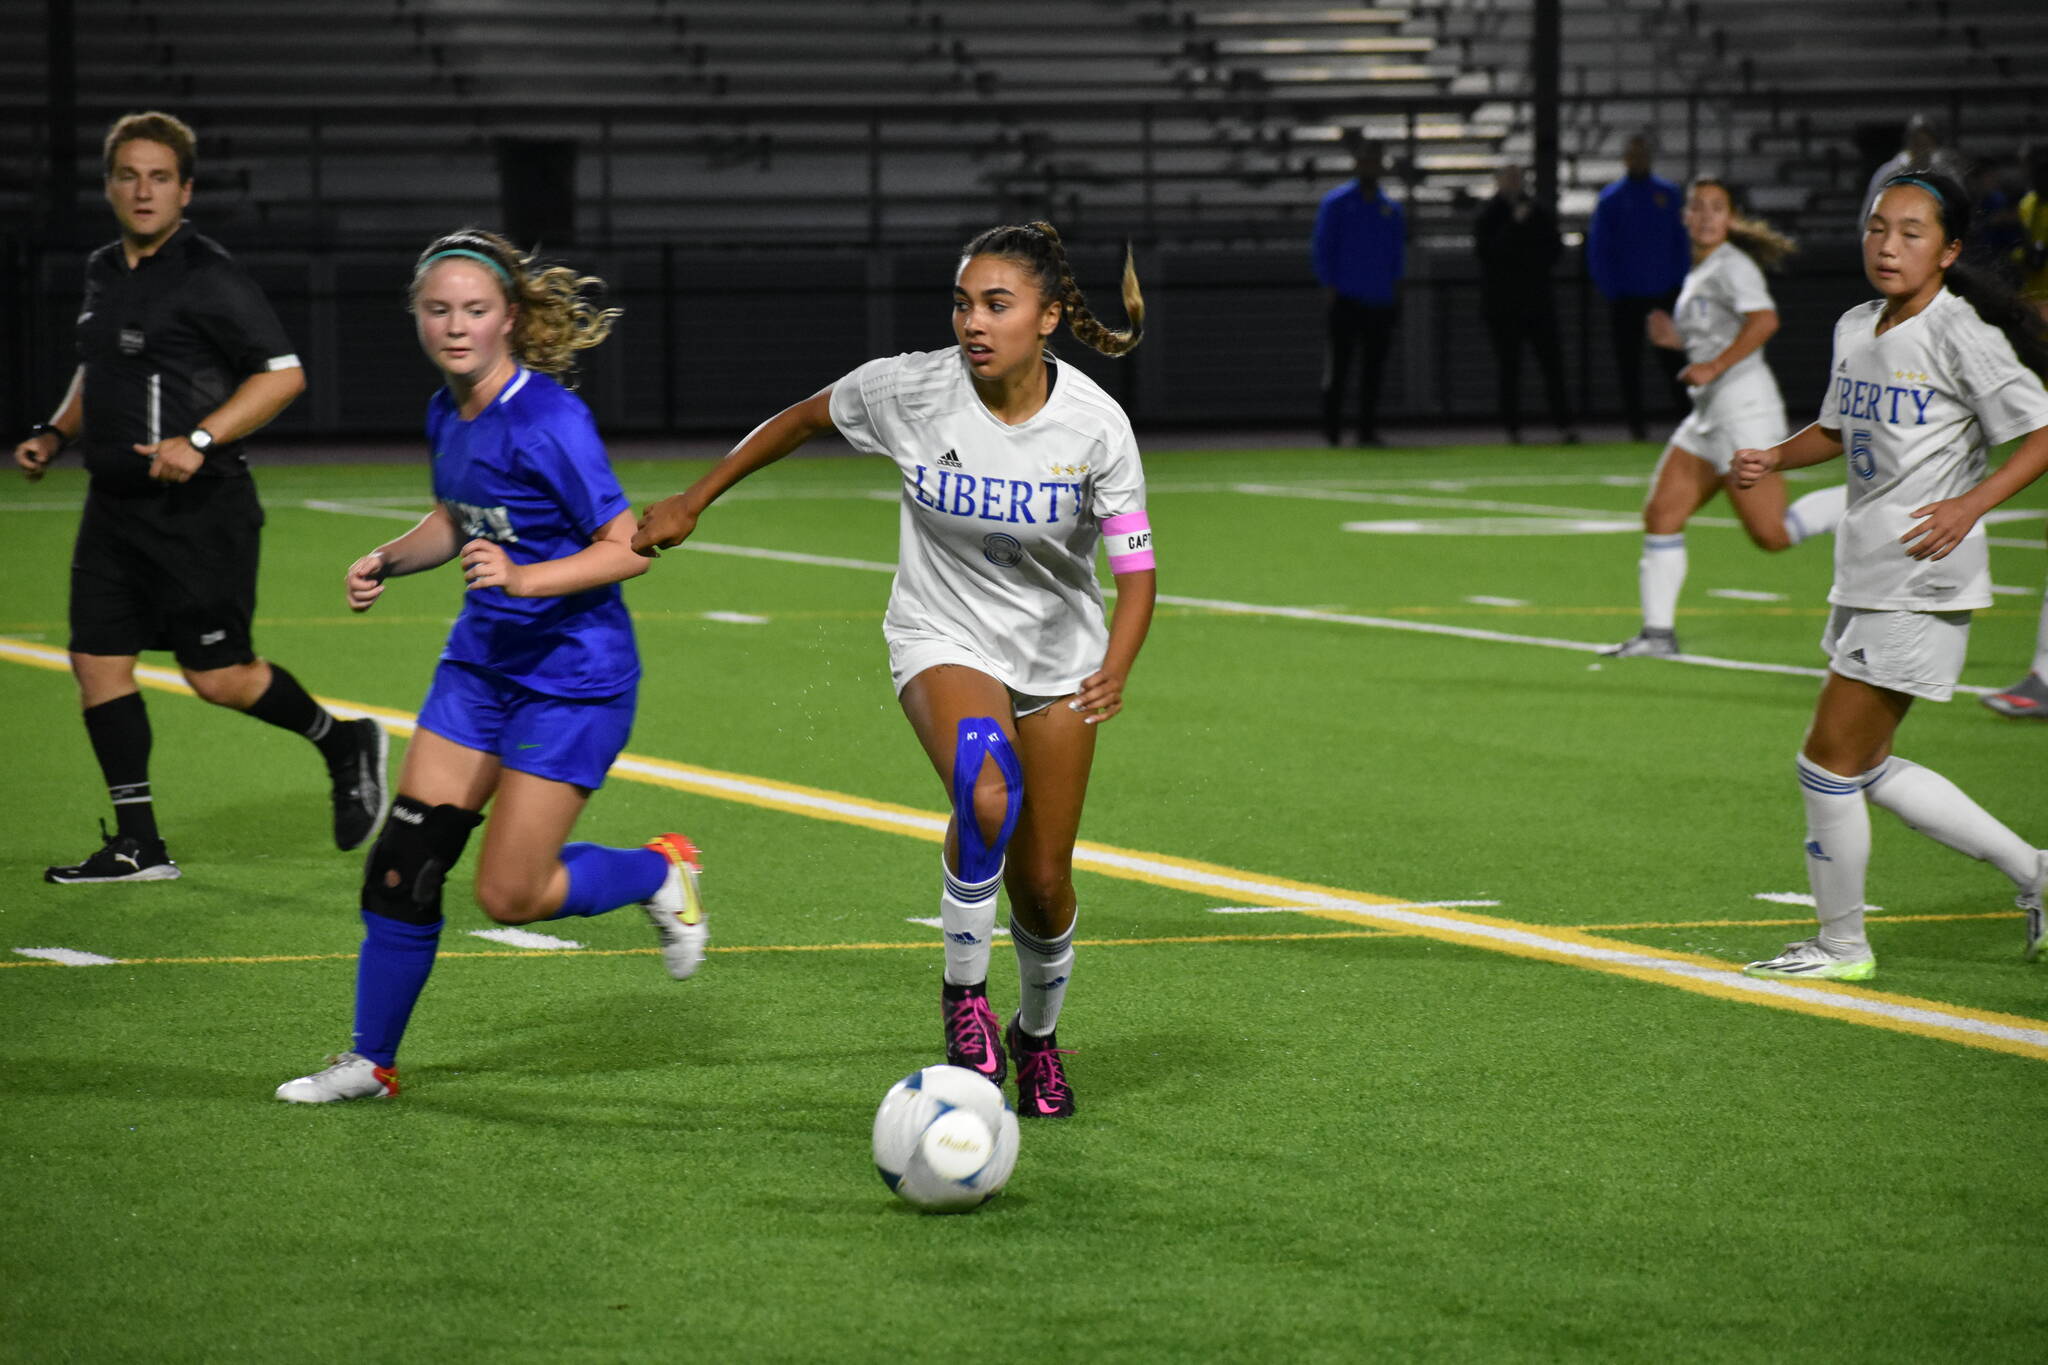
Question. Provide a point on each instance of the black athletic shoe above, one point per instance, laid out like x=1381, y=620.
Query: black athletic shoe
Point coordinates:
x=122, y=858
x=1042, y=1089
x=359, y=785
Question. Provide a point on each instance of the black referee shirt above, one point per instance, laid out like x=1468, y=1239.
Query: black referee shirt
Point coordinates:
x=163, y=345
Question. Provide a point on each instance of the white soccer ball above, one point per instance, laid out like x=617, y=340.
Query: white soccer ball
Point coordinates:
x=945, y=1139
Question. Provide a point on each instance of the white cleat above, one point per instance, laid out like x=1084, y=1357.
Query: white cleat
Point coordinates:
x=677, y=909
x=1806, y=960
x=349, y=1076
x=2029, y=900
x=1647, y=643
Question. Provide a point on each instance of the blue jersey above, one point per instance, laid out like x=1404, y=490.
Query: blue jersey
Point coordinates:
x=530, y=473
x=1359, y=245
x=1636, y=244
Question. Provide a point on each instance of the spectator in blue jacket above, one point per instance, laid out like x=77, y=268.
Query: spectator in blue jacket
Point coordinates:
x=1637, y=253
x=1360, y=251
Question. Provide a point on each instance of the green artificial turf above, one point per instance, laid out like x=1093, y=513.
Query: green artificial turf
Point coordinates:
x=1298, y=1139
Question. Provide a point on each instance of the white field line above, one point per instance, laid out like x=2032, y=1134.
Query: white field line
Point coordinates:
x=2008, y=590
x=734, y=618
x=70, y=957
x=525, y=938
x=364, y=509
x=1335, y=618
x=1804, y=898
x=1706, y=976
x=934, y=922
x=1484, y=601
x=1538, y=509
x=1502, y=637
x=1746, y=595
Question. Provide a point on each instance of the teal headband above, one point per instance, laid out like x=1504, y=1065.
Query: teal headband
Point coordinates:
x=1929, y=186
x=496, y=269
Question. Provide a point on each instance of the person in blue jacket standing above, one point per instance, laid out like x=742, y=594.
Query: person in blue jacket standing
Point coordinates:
x=1637, y=253
x=1360, y=250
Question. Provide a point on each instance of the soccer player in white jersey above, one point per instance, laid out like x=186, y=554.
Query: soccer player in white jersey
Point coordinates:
x=1015, y=467
x=1925, y=380
x=1723, y=317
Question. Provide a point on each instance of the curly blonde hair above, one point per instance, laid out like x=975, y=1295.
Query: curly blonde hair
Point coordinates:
x=1763, y=243
x=1038, y=249
x=553, y=320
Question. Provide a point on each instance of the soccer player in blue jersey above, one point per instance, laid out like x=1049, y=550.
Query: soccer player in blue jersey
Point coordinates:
x=535, y=691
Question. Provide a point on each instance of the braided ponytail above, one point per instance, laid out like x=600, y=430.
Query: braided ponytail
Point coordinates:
x=1089, y=330
x=1037, y=248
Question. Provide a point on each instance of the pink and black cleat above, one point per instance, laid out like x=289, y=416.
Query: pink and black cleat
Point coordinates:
x=972, y=1037
x=1042, y=1089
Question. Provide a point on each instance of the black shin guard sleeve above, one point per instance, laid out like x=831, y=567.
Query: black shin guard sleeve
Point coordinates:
x=419, y=846
x=119, y=731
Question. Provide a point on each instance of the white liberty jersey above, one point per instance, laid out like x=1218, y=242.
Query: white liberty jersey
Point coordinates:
x=1719, y=290
x=1918, y=409
x=1000, y=523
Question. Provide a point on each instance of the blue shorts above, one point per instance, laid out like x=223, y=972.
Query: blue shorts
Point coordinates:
x=564, y=739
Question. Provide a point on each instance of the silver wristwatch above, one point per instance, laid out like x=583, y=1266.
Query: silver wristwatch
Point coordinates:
x=200, y=440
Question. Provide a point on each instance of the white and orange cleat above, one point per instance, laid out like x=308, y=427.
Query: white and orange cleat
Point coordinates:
x=349, y=1076
x=677, y=909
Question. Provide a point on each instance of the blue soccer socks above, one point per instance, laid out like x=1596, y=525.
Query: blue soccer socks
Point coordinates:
x=396, y=960
x=603, y=879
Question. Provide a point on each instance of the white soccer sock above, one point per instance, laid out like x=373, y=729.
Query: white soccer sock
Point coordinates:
x=1044, y=966
x=967, y=919
x=1837, y=854
x=1660, y=573
x=1942, y=811
x=1818, y=513
x=2040, y=666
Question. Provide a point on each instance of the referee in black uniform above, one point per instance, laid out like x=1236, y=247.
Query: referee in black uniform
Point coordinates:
x=180, y=358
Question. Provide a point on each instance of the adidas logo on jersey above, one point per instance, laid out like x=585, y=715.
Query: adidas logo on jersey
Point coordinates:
x=1857, y=655
x=949, y=460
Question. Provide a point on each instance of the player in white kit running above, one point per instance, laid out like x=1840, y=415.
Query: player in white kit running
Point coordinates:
x=1925, y=380
x=1722, y=319
x=1015, y=468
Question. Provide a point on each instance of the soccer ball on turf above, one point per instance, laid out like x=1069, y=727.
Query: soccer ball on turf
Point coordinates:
x=945, y=1139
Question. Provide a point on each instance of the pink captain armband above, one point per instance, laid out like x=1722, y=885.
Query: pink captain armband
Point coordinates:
x=1129, y=538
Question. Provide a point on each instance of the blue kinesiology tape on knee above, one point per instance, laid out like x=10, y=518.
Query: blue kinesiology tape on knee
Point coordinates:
x=981, y=741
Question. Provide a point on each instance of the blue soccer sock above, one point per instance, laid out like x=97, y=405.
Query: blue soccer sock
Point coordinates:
x=396, y=960
x=603, y=879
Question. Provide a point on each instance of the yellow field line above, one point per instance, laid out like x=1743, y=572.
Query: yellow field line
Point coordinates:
x=2016, y=1034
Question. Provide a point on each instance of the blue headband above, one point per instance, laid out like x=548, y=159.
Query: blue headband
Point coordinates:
x=496, y=269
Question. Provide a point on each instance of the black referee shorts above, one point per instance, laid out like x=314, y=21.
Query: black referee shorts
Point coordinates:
x=169, y=569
